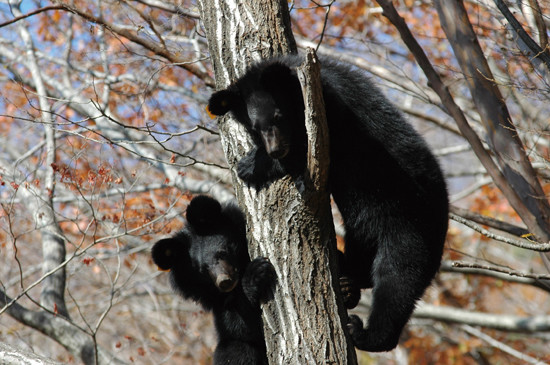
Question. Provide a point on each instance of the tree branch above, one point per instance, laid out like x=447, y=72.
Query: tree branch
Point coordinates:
x=489, y=221
x=150, y=45
x=533, y=49
x=27, y=15
x=499, y=322
x=484, y=157
x=449, y=267
x=53, y=245
x=499, y=345
x=532, y=207
x=534, y=246
x=163, y=5
x=61, y=330
x=498, y=269
x=318, y=158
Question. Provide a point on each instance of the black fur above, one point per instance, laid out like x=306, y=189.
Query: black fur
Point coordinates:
x=383, y=177
x=209, y=263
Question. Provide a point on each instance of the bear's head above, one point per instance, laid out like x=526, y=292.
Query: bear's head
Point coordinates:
x=268, y=101
x=210, y=251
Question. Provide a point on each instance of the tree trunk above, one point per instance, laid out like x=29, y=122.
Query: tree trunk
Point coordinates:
x=304, y=322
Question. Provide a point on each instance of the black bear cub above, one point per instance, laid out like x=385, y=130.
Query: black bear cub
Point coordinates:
x=383, y=177
x=209, y=263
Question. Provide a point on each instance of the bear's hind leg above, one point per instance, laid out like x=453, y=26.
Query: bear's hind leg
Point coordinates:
x=390, y=311
x=401, y=272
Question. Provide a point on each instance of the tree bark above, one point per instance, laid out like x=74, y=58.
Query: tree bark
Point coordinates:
x=12, y=356
x=292, y=227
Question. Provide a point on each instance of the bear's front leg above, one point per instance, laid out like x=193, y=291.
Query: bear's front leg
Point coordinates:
x=258, y=281
x=257, y=169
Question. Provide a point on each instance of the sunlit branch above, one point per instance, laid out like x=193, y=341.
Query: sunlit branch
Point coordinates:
x=435, y=82
x=163, y=5
x=450, y=267
x=34, y=12
x=522, y=188
x=499, y=345
x=124, y=136
x=77, y=253
x=13, y=356
x=503, y=270
x=74, y=338
x=150, y=45
x=535, y=246
x=535, y=50
x=499, y=322
x=53, y=246
x=489, y=221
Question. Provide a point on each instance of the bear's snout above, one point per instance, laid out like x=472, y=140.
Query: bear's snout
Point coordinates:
x=224, y=276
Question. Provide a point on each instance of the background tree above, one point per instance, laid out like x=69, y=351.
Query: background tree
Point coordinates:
x=104, y=138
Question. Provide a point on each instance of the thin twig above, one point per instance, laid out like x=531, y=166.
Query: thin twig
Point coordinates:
x=34, y=12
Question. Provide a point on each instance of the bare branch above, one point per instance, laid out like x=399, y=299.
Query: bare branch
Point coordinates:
x=534, y=246
x=447, y=314
x=449, y=267
x=499, y=345
x=316, y=124
x=488, y=221
x=503, y=270
x=53, y=245
x=533, y=49
x=150, y=45
x=60, y=329
x=532, y=207
x=434, y=81
x=163, y=5
x=34, y=12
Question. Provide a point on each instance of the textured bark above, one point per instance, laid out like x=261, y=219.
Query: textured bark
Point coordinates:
x=12, y=356
x=292, y=227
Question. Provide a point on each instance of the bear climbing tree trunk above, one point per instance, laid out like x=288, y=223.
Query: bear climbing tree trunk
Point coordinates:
x=290, y=225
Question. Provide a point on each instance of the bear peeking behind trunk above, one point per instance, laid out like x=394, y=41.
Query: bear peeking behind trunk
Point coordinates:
x=209, y=263
x=383, y=177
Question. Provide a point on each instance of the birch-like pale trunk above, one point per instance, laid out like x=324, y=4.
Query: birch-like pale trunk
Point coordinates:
x=294, y=229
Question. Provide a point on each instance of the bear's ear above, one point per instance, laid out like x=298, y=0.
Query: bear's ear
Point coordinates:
x=203, y=212
x=168, y=251
x=277, y=76
x=223, y=101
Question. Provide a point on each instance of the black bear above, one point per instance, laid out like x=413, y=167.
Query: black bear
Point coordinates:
x=385, y=181
x=209, y=263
